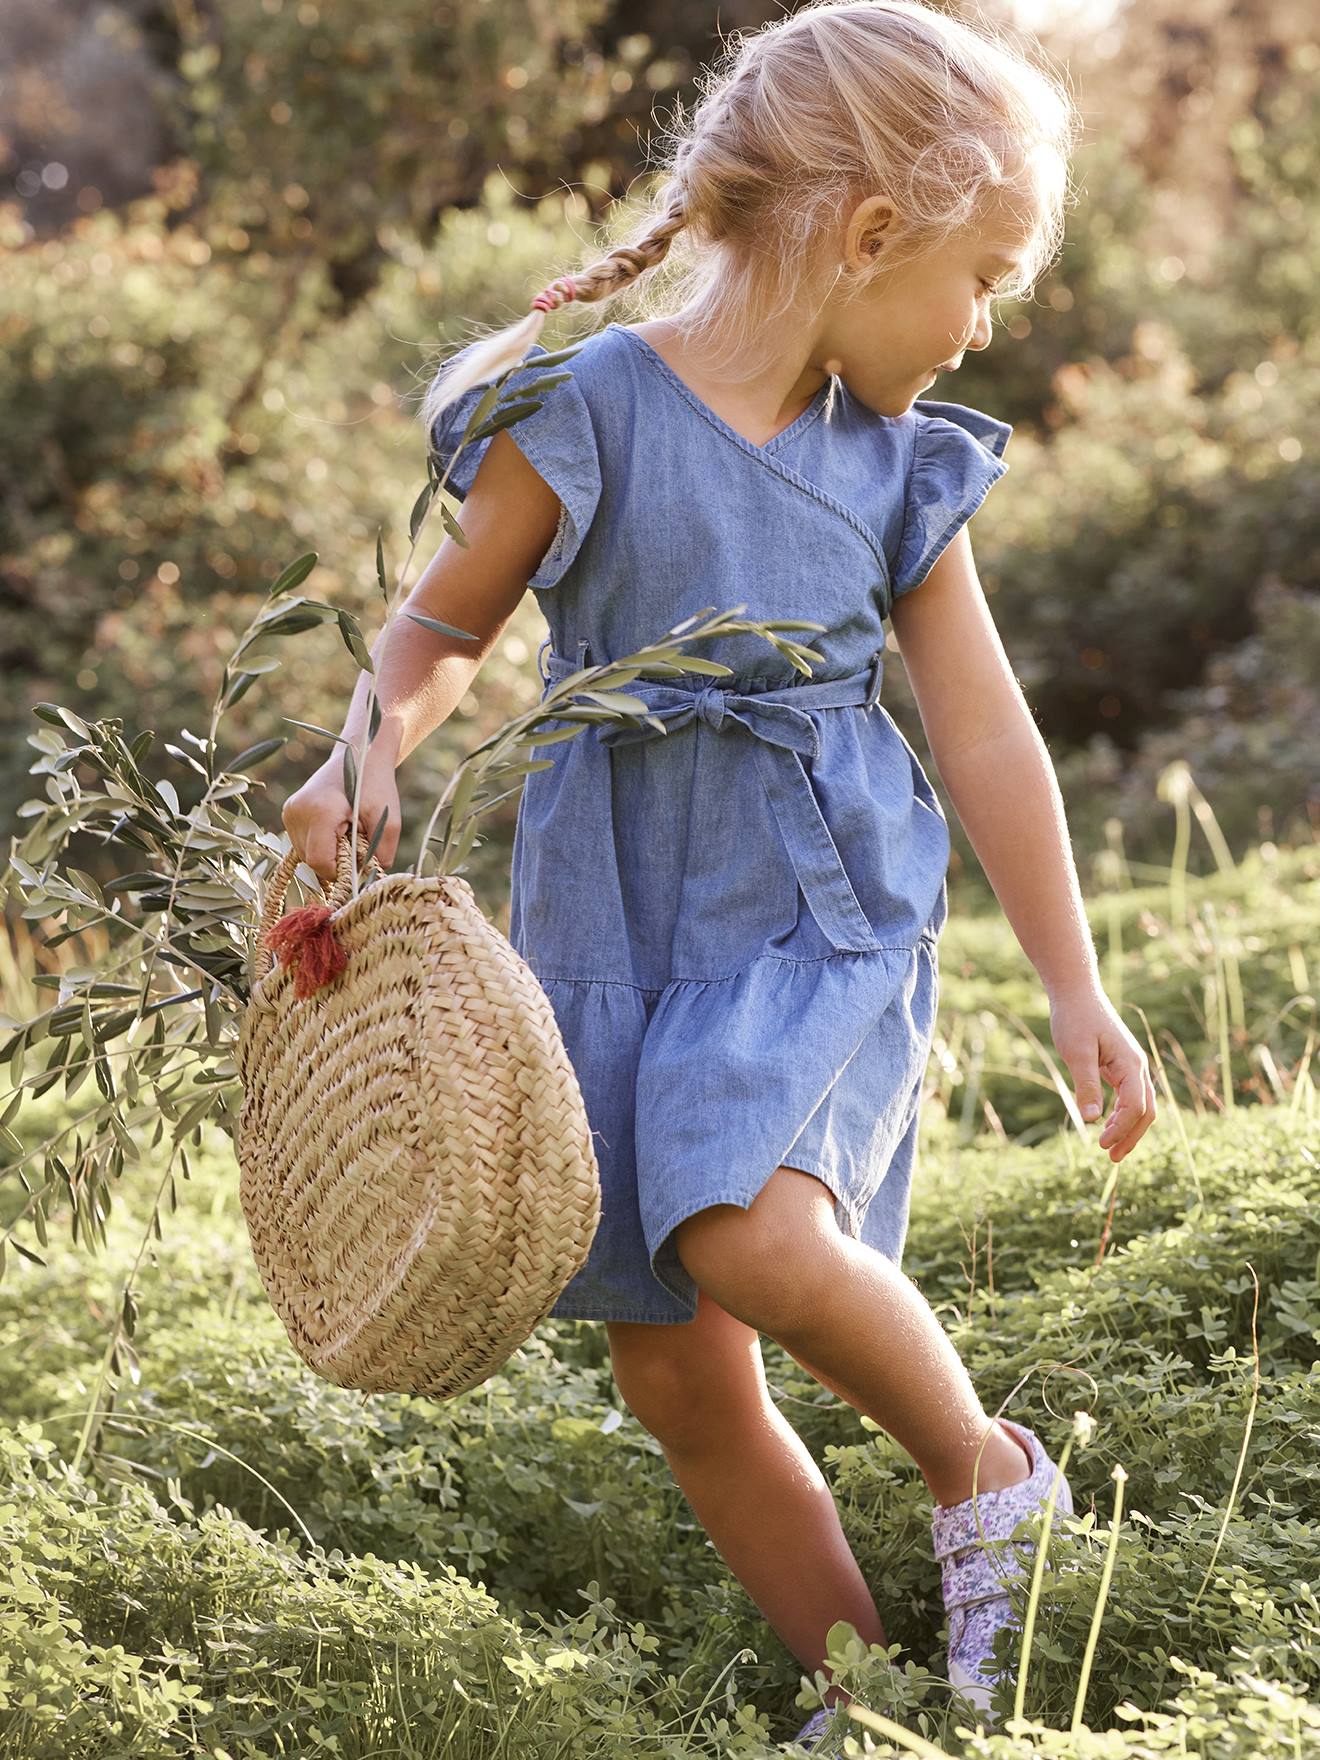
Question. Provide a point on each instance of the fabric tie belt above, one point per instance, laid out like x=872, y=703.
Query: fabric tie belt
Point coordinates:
x=781, y=730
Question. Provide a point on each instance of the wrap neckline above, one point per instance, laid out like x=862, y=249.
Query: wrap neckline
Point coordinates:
x=773, y=444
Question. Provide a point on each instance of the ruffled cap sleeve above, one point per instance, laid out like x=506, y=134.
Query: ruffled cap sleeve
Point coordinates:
x=558, y=439
x=956, y=459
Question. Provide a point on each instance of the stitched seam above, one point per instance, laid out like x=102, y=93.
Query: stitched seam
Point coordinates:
x=907, y=506
x=651, y=1314
x=791, y=432
x=783, y=959
x=947, y=536
x=552, y=555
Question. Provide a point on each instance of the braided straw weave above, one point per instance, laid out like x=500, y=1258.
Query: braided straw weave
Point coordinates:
x=416, y=1167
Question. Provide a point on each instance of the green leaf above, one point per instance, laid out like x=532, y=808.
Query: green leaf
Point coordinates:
x=126, y=1143
x=709, y=668
x=134, y=882
x=618, y=700
x=292, y=623
x=418, y=513
x=453, y=528
x=294, y=575
x=463, y=844
x=214, y=1024
x=239, y=689
x=553, y=357
x=484, y=405
x=352, y=634
x=311, y=727
x=463, y=791
x=54, y=713
x=376, y=835
x=193, y=1115
x=444, y=629
x=506, y=416
x=350, y=773
x=380, y=568
x=264, y=748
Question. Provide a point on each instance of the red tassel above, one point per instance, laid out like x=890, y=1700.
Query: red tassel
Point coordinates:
x=306, y=940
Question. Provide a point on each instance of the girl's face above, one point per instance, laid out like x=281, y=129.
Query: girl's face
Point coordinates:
x=890, y=344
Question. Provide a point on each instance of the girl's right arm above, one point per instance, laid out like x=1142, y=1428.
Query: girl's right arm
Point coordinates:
x=509, y=518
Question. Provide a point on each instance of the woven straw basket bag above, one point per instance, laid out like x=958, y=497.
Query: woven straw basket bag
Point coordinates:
x=416, y=1168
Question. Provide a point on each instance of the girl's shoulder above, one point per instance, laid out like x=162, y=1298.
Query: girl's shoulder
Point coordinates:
x=556, y=411
x=576, y=375
x=930, y=433
x=918, y=477
x=957, y=458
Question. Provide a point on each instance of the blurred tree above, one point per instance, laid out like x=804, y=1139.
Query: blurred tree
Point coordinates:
x=201, y=382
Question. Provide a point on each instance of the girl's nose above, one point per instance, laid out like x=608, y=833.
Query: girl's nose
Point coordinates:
x=982, y=333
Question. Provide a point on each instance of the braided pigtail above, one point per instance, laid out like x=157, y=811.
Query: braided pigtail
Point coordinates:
x=799, y=121
x=505, y=348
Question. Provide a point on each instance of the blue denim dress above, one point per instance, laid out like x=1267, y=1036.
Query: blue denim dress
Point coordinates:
x=736, y=920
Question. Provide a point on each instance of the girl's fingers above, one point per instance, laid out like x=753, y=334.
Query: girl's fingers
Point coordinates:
x=322, y=847
x=388, y=846
x=1133, y=1112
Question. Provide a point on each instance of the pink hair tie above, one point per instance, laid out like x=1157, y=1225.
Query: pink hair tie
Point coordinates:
x=558, y=293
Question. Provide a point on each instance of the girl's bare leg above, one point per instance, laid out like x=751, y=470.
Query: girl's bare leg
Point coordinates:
x=857, y=1322
x=748, y=1476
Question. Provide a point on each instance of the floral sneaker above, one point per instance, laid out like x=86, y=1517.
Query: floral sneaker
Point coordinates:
x=976, y=1562
x=816, y=1726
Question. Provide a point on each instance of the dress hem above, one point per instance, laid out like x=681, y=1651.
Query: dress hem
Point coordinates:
x=744, y=1200
x=645, y=1318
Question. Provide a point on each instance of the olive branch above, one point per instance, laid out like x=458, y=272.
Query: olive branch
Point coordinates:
x=154, y=1018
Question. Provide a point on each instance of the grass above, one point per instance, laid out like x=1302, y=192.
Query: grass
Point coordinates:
x=212, y=1552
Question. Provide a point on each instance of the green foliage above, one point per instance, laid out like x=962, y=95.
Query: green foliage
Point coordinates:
x=217, y=369
x=269, y=1540
x=194, y=865
x=191, y=427
x=209, y=1550
x=331, y=131
x=1174, y=959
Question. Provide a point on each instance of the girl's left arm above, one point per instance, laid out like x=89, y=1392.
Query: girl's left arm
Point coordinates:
x=997, y=771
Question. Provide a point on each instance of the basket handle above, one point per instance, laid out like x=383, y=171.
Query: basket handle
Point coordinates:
x=335, y=894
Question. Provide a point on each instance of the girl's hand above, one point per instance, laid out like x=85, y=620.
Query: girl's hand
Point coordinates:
x=1093, y=1042
x=315, y=816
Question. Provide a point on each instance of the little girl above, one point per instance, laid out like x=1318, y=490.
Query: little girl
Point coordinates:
x=736, y=918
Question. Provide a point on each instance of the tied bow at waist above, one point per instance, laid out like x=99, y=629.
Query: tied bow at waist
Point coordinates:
x=780, y=729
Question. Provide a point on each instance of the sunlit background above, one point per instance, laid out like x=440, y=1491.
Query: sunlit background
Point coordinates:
x=236, y=236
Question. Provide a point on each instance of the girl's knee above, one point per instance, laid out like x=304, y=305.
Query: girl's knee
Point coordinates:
x=682, y=1383
x=758, y=1263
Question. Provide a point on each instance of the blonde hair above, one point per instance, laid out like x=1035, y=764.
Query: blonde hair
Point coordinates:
x=798, y=121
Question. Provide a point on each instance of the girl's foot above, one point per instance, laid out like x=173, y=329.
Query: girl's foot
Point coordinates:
x=818, y=1724
x=976, y=1562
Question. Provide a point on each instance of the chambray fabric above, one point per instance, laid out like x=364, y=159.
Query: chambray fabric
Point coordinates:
x=736, y=920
